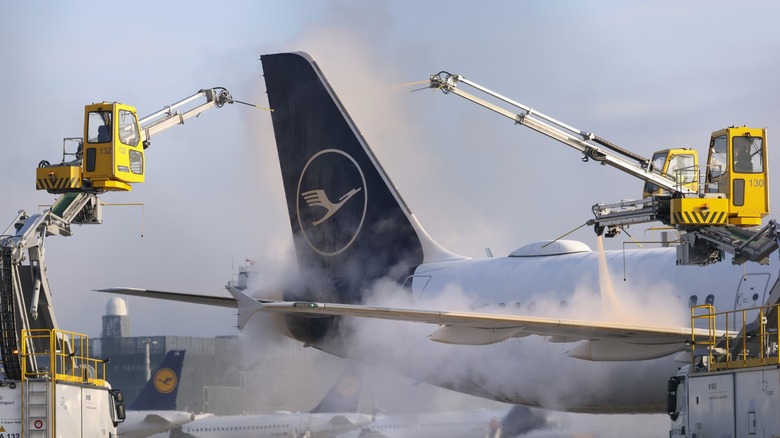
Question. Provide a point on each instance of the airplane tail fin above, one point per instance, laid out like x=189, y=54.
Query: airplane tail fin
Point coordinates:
x=350, y=226
x=344, y=395
x=159, y=393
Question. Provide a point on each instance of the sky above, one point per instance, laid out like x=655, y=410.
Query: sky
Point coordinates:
x=644, y=75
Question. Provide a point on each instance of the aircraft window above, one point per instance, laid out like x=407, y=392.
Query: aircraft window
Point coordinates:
x=563, y=304
x=755, y=297
x=693, y=300
x=710, y=299
x=532, y=306
x=501, y=305
x=517, y=304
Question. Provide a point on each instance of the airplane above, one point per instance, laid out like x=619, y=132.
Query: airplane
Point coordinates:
x=365, y=262
x=478, y=423
x=335, y=414
x=154, y=409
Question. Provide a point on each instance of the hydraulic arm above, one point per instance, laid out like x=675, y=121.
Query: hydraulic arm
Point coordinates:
x=110, y=155
x=590, y=145
x=716, y=209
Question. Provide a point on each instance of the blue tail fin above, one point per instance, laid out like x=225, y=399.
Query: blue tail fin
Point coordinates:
x=349, y=224
x=159, y=393
x=344, y=395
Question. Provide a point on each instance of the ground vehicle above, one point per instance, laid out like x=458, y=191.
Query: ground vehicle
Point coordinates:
x=732, y=386
x=717, y=209
x=113, y=156
x=55, y=365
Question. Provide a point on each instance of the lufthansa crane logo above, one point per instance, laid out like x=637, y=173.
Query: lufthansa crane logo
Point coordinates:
x=349, y=386
x=165, y=380
x=332, y=201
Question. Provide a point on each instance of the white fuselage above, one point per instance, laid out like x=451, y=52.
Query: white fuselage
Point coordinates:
x=648, y=289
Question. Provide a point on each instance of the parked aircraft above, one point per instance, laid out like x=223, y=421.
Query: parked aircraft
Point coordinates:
x=154, y=410
x=476, y=423
x=362, y=252
x=334, y=415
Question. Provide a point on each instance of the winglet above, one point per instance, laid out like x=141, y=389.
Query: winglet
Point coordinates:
x=247, y=306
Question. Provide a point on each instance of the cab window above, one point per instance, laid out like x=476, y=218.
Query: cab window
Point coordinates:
x=718, y=161
x=717, y=164
x=128, y=128
x=748, y=154
x=681, y=167
x=659, y=159
x=99, y=127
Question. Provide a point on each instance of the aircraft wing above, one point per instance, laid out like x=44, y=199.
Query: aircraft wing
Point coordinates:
x=602, y=340
x=173, y=296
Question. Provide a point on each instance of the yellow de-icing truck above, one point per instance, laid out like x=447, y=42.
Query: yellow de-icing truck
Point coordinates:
x=681, y=164
x=113, y=153
x=51, y=385
x=110, y=155
x=735, y=187
x=737, y=168
x=716, y=209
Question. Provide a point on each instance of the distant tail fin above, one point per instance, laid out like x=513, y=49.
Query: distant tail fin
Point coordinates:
x=344, y=395
x=159, y=393
x=350, y=225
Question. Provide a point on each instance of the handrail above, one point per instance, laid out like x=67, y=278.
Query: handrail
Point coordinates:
x=746, y=331
x=66, y=357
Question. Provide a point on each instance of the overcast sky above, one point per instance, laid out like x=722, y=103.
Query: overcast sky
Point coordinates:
x=644, y=75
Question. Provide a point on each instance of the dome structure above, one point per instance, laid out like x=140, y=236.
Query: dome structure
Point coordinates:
x=116, y=306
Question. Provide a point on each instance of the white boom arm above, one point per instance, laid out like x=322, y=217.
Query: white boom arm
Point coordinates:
x=579, y=140
x=168, y=116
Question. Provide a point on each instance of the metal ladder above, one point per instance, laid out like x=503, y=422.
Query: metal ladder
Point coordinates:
x=37, y=411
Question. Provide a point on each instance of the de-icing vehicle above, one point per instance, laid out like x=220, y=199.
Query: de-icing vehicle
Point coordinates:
x=50, y=386
x=731, y=386
x=717, y=208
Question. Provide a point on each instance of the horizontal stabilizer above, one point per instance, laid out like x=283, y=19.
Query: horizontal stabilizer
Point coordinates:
x=247, y=306
x=172, y=296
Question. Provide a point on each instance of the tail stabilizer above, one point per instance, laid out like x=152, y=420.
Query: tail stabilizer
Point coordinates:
x=350, y=226
x=247, y=306
x=160, y=391
x=344, y=395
